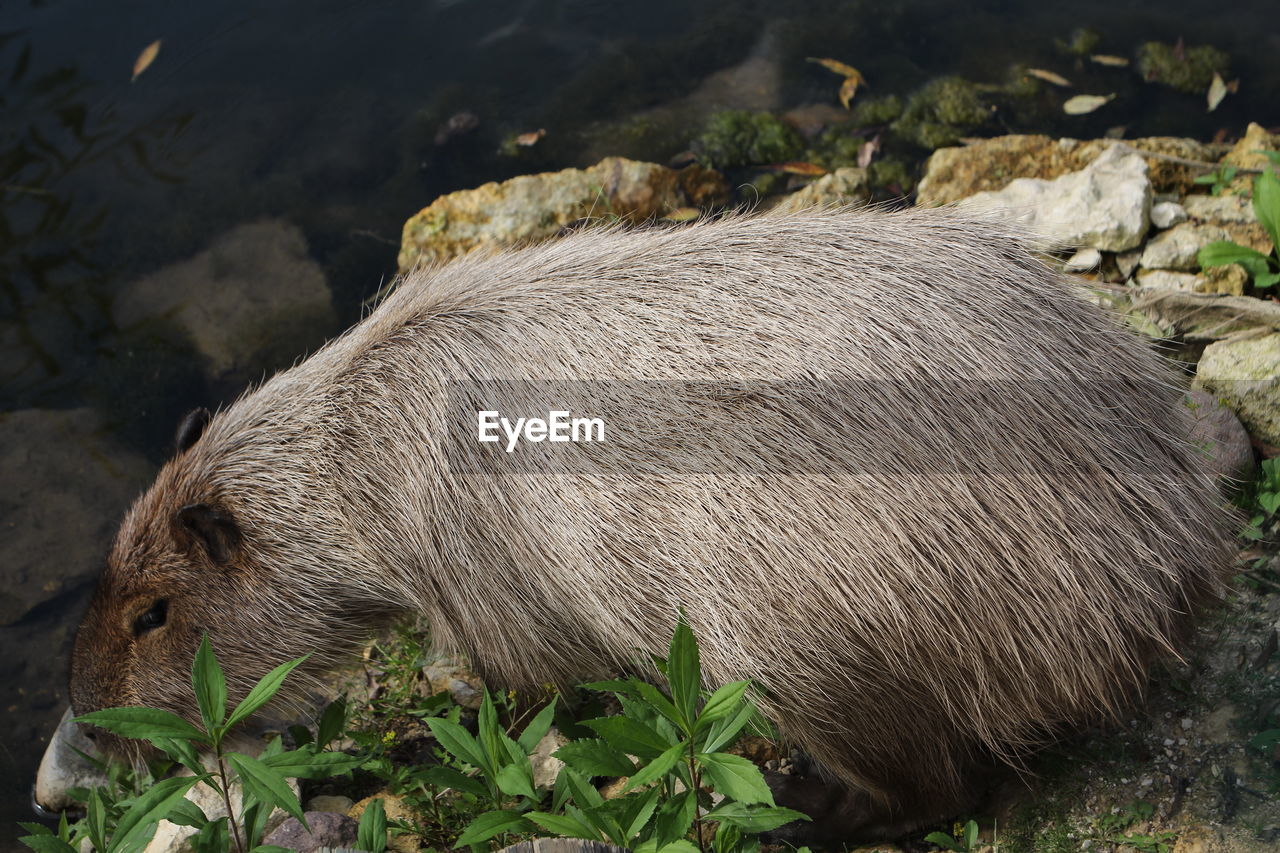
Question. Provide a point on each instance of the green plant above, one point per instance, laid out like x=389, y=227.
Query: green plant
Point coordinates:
x=965, y=839
x=677, y=736
x=1112, y=829
x=1219, y=179
x=112, y=826
x=1263, y=500
x=1263, y=269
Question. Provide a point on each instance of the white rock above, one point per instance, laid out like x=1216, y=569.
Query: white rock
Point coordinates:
x=1229, y=209
x=1176, y=248
x=1104, y=206
x=1083, y=261
x=1127, y=262
x=1166, y=279
x=1245, y=375
x=1167, y=214
x=173, y=838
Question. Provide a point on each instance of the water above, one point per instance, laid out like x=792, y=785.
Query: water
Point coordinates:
x=316, y=123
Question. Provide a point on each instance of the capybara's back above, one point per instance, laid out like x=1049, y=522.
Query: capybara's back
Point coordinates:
x=935, y=503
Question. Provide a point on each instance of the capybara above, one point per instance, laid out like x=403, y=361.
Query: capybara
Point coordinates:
x=938, y=505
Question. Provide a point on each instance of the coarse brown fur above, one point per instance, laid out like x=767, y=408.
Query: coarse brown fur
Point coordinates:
x=893, y=469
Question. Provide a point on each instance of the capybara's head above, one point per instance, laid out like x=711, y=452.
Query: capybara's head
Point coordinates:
x=206, y=551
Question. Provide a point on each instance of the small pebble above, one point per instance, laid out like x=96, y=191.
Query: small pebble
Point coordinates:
x=1083, y=261
x=1186, y=723
x=1167, y=214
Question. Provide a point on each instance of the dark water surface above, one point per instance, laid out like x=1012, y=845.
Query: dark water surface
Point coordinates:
x=316, y=123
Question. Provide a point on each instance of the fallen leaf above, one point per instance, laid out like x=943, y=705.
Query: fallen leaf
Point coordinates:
x=1081, y=104
x=1217, y=91
x=1048, y=76
x=144, y=60
x=683, y=214
x=531, y=138
x=836, y=66
x=867, y=151
x=848, y=89
x=797, y=167
x=1107, y=59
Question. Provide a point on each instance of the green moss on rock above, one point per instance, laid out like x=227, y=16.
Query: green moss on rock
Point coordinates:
x=873, y=111
x=1191, y=72
x=741, y=138
x=941, y=112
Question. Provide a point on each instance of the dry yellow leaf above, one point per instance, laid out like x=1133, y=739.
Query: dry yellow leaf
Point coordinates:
x=531, y=138
x=144, y=60
x=837, y=67
x=1048, y=76
x=1081, y=104
x=1107, y=59
x=1218, y=90
x=797, y=167
x=683, y=214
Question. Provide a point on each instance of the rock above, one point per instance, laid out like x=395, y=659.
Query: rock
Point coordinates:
x=1207, y=317
x=1224, y=440
x=327, y=830
x=326, y=803
x=63, y=768
x=254, y=299
x=546, y=767
x=453, y=677
x=537, y=207
x=1083, y=261
x=991, y=164
x=843, y=186
x=1167, y=214
x=1221, y=209
x=1176, y=248
x=1127, y=262
x=1105, y=206
x=1245, y=374
x=1243, y=155
x=67, y=484
x=1166, y=280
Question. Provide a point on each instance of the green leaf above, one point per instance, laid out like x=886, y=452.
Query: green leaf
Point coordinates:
x=638, y=813
x=680, y=845
x=595, y=757
x=372, y=834
x=971, y=835
x=271, y=848
x=674, y=818
x=210, y=686
x=213, y=838
x=143, y=723
x=565, y=826
x=735, y=777
x=490, y=824
x=1266, y=204
x=136, y=826
x=584, y=793
x=1221, y=252
x=263, y=691
x=181, y=751
x=658, y=768
x=943, y=840
x=723, y=702
x=537, y=728
x=725, y=730
x=458, y=742
x=489, y=735
x=447, y=777
x=306, y=763
x=96, y=820
x=332, y=722
x=684, y=674
x=187, y=813
x=266, y=784
x=629, y=736
x=516, y=780
x=754, y=818
x=47, y=844
x=254, y=818
x=658, y=700
x=1266, y=280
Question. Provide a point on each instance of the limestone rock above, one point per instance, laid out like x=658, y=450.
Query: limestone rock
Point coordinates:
x=255, y=299
x=843, y=186
x=531, y=208
x=1176, y=248
x=1167, y=280
x=1221, y=209
x=1245, y=374
x=1084, y=261
x=1105, y=206
x=1167, y=214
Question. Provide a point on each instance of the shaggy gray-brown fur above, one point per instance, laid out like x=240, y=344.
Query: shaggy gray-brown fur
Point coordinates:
x=892, y=468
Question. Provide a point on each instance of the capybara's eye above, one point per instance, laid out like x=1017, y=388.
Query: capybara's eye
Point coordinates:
x=153, y=618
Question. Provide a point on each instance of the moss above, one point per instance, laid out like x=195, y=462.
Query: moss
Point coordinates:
x=941, y=112
x=873, y=111
x=1082, y=42
x=1190, y=72
x=741, y=138
x=835, y=148
x=890, y=173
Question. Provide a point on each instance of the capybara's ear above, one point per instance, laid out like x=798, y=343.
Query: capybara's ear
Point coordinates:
x=214, y=529
x=191, y=428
